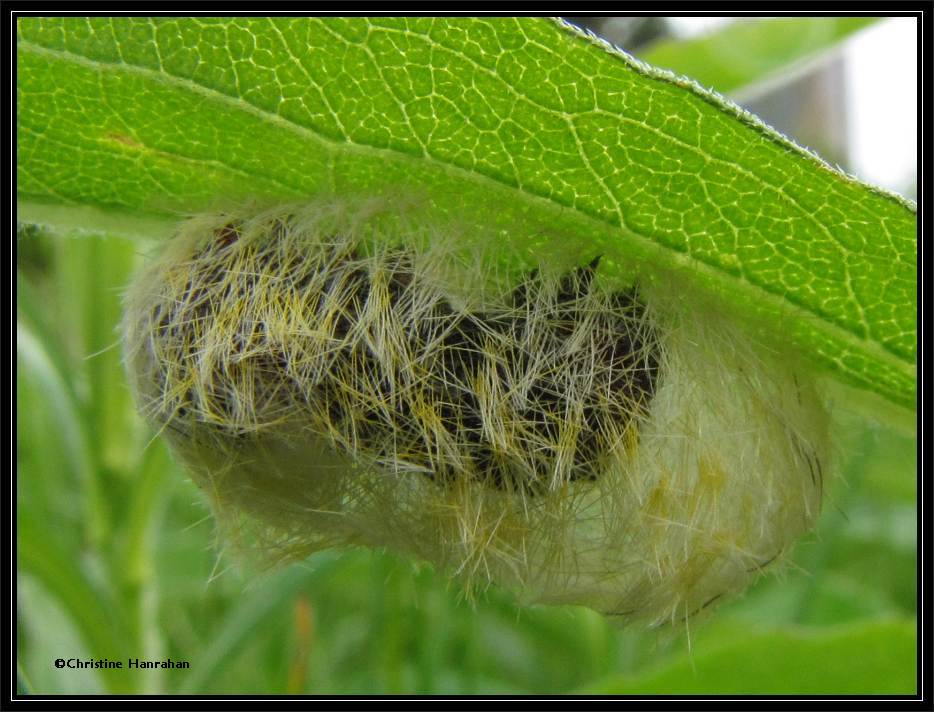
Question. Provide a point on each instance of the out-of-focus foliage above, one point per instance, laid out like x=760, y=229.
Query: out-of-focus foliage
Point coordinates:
x=747, y=53
x=118, y=559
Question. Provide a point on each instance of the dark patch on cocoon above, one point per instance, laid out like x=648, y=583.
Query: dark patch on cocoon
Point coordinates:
x=326, y=381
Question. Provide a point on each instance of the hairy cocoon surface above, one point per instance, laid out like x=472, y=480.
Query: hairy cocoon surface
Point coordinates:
x=335, y=379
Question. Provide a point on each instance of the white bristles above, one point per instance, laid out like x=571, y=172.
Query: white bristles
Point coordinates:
x=335, y=384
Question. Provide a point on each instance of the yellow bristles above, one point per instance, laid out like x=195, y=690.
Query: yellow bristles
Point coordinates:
x=573, y=441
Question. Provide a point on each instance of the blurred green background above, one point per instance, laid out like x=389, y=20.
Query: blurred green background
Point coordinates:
x=118, y=558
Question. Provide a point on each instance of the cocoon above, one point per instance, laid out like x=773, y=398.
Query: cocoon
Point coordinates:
x=334, y=378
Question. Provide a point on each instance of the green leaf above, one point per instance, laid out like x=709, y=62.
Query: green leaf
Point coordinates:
x=522, y=127
x=877, y=658
x=748, y=52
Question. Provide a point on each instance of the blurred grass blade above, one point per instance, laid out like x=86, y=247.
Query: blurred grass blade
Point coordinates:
x=877, y=658
x=246, y=618
x=95, y=614
x=142, y=515
x=46, y=388
x=92, y=272
x=57, y=396
x=23, y=686
x=749, y=52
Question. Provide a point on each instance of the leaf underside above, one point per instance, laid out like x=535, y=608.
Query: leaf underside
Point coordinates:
x=502, y=123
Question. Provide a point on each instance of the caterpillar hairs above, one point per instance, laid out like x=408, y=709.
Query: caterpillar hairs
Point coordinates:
x=333, y=381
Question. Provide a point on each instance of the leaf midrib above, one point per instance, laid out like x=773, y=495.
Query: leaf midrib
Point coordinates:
x=668, y=252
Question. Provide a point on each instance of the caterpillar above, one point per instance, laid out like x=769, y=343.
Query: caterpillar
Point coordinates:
x=332, y=382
